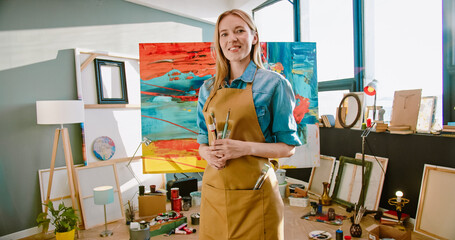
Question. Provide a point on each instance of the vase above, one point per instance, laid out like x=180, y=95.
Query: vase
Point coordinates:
x=65, y=235
x=356, y=230
x=325, y=198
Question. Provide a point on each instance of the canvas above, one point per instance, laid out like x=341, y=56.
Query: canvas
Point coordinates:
x=171, y=75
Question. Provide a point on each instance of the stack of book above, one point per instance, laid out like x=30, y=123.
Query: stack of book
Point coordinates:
x=328, y=120
x=381, y=127
x=402, y=129
x=390, y=217
x=448, y=130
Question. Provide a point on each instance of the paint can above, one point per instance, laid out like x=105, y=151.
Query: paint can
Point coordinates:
x=195, y=218
x=281, y=176
x=195, y=198
x=174, y=193
x=176, y=204
x=282, y=188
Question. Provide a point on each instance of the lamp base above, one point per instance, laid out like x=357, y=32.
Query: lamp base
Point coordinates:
x=106, y=233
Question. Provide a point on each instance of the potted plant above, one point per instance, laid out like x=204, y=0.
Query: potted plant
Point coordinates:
x=64, y=219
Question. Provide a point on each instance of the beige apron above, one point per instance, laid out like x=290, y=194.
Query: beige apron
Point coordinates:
x=230, y=209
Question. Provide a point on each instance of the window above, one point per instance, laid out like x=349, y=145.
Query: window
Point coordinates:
x=403, y=49
x=449, y=62
x=275, y=22
x=329, y=24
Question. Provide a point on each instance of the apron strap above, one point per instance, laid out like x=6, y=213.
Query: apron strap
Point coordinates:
x=209, y=99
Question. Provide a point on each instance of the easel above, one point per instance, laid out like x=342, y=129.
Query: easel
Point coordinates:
x=69, y=165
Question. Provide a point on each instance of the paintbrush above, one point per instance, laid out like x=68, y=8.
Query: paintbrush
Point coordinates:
x=212, y=128
x=226, y=125
x=263, y=176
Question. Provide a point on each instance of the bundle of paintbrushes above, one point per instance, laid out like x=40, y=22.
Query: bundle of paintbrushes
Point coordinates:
x=359, y=214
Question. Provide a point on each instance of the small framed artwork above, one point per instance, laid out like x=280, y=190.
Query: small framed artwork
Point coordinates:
x=111, y=82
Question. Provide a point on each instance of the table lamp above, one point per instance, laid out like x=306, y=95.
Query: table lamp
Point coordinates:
x=370, y=90
x=104, y=195
x=61, y=112
x=399, y=201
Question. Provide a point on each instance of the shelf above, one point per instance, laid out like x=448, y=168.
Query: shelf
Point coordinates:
x=97, y=106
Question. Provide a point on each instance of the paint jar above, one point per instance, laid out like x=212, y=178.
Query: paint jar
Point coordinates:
x=186, y=203
x=331, y=214
x=195, y=218
x=176, y=204
x=174, y=193
x=195, y=198
x=281, y=176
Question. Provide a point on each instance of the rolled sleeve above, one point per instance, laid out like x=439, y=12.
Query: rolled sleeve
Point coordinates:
x=284, y=127
x=202, y=137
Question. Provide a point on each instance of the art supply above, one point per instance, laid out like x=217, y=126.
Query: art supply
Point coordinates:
x=319, y=235
x=319, y=211
x=339, y=234
x=212, y=128
x=176, y=204
x=281, y=176
x=314, y=208
x=195, y=218
x=186, y=203
x=226, y=125
x=331, y=214
x=214, y=122
x=174, y=193
x=263, y=176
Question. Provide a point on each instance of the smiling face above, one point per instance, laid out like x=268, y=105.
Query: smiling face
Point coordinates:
x=236, y=39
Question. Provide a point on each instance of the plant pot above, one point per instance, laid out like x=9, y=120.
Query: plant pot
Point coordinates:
x=65, y=235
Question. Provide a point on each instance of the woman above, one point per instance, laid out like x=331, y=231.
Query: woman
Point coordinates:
x=260, y=125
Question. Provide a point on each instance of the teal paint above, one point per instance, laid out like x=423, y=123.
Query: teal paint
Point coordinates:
x=26, y=147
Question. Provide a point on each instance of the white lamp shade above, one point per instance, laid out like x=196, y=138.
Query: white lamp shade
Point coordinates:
x=103, y=195
x=59, y=112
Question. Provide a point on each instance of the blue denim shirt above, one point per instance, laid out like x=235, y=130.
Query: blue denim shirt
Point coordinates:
x=274, y=102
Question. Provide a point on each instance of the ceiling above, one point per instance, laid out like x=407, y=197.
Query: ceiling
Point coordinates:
x=202, y=10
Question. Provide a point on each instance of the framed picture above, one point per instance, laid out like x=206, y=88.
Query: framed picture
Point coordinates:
x=110, y=82
x=348, y=183
x=435, y=209
x=321, y=174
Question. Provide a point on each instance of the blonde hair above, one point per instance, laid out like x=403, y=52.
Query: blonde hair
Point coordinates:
x=222, y=64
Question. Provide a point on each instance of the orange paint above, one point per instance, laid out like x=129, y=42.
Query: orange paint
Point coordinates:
x=157, y=59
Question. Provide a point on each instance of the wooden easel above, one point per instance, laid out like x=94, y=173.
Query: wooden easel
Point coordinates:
x=69, y=165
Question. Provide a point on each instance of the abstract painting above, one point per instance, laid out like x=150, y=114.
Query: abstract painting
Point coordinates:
x=171, y=75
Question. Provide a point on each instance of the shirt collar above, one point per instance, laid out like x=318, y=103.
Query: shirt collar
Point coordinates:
x=248, y=75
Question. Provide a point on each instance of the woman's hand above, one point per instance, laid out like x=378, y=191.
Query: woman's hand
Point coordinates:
x=211, y=157
x=227, y=149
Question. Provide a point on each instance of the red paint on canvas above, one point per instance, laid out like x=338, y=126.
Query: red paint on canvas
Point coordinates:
x=159, y=59
x=301, y=108
x=176, y=148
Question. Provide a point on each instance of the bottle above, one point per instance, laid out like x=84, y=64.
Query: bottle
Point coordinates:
x=339, y=234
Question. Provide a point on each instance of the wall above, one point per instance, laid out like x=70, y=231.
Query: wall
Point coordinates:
x=407, y=156
x=37, y=39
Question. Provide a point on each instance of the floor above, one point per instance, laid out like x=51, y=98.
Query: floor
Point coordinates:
x=295, y=227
